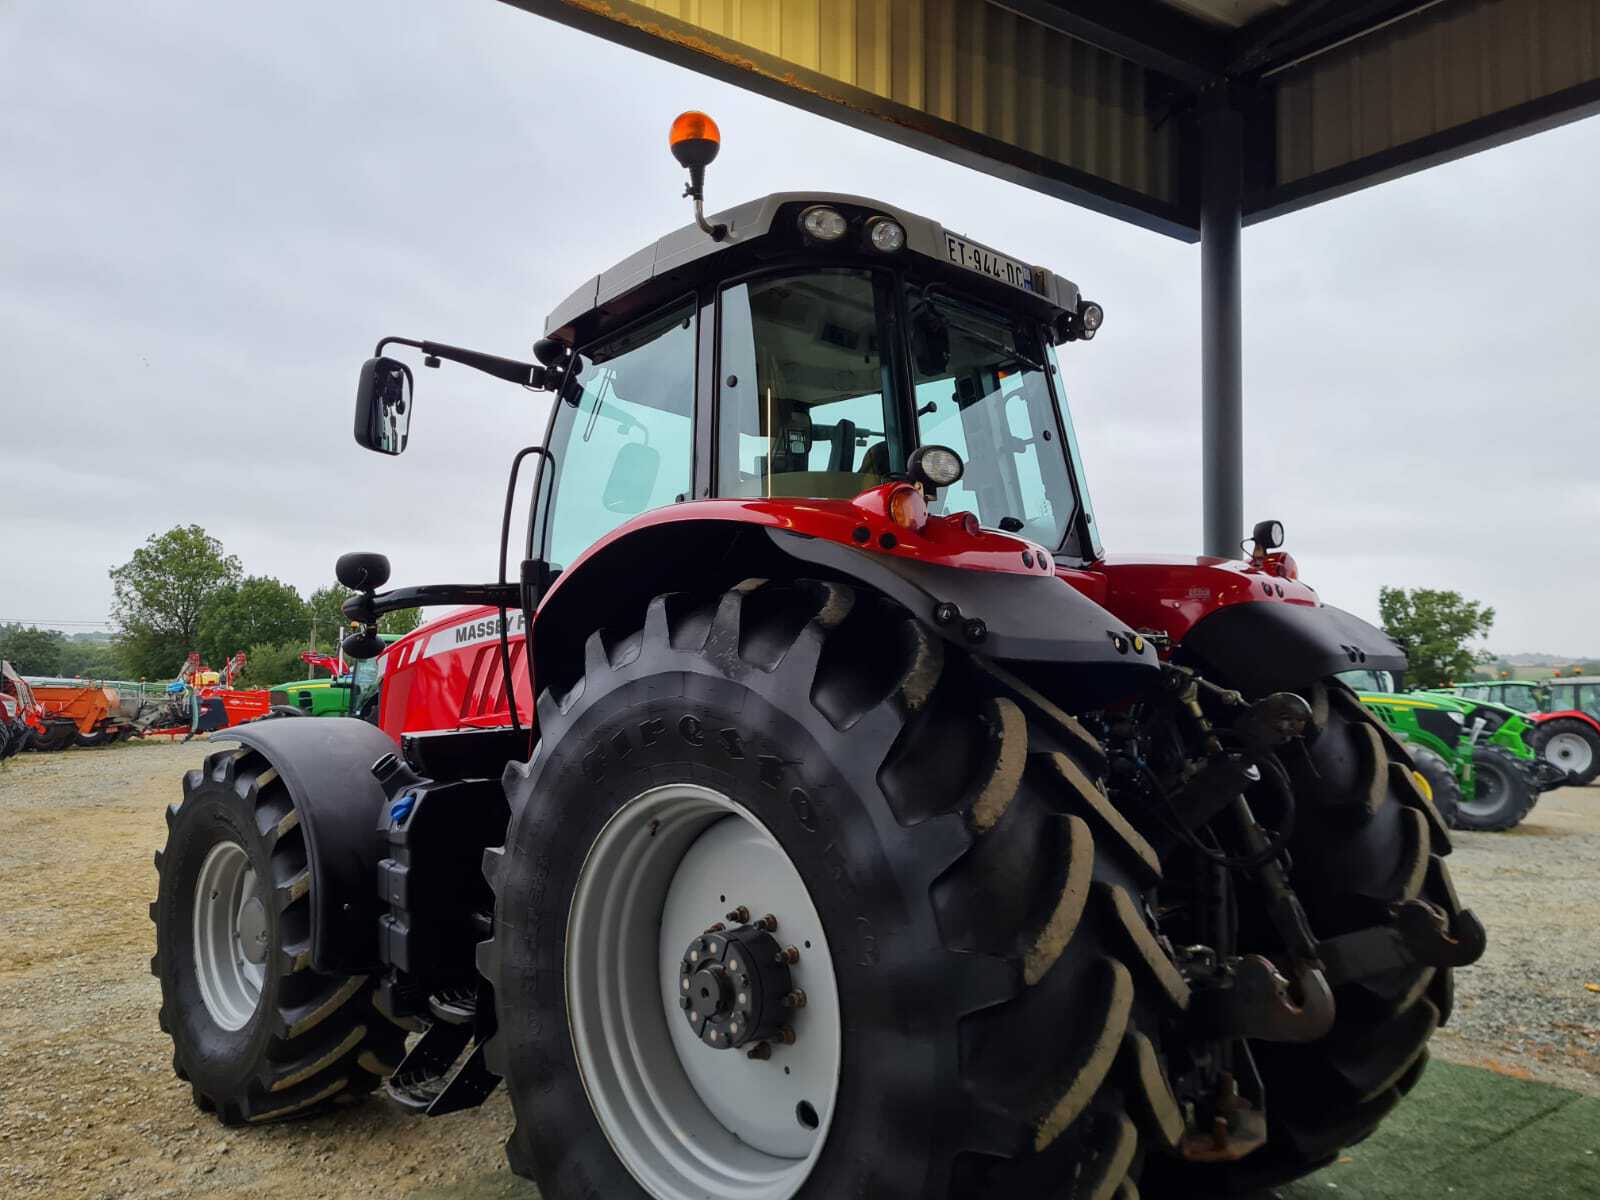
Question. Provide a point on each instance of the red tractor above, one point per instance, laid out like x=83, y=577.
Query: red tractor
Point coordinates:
x=816, y=810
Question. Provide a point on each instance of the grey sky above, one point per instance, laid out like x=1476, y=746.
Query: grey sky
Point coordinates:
x=209, y=212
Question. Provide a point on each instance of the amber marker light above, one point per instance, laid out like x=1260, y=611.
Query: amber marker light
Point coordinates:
x=907, y=508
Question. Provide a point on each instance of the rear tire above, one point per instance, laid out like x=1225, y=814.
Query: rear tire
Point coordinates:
x=973, y=883
x=1502, y=792
x=1442, y=782
x=57, y=736
x=257, y=1041
x=1570, y=744
x=1365, y=837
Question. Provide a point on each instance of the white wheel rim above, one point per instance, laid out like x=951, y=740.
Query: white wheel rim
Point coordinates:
x=1570, y=752
x=685, y=1119
x=230, y=983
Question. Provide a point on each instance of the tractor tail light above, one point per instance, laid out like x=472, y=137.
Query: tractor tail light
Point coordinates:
x=907, y=508
x=968, y=523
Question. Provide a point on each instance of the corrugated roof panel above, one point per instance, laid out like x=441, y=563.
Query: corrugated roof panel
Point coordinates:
x=1453, y=64
x=970, y=63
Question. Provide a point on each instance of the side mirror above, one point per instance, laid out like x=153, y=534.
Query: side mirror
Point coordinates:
x=362, y=570
x=383, y=405
x=632, y=479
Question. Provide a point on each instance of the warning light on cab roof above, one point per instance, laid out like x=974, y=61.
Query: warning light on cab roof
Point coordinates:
x=695, y=140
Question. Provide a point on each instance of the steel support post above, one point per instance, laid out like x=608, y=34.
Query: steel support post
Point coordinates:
x=1221, y=352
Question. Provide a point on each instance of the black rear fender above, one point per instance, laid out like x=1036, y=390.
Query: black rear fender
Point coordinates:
x=1262, y=647
x=1034, y=620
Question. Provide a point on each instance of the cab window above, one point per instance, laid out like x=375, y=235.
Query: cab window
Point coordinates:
x=982, y=390
x=1521, y=697
x=623, y=432
x=805, y=388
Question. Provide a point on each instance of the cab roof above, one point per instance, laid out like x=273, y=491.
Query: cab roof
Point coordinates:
x=686, y=256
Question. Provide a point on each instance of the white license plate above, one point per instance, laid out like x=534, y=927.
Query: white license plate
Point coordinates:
x=985, y=261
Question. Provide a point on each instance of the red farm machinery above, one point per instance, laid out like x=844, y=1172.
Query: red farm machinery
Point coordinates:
x=811, y=807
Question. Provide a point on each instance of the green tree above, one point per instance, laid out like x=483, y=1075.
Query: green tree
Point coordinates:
x=32, y=651
x=160, y=594
x=91, y=660
x=402, y=622
x=253, y=612
x=270, y=663
x=1434, y=626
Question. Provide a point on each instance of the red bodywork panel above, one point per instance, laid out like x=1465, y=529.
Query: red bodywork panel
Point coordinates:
x=1170, y=595
x=1570, y=714
x=447, y=674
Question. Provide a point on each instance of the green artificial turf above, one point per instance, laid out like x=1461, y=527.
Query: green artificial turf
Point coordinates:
x=1462, y=1134
x=1469, y=1134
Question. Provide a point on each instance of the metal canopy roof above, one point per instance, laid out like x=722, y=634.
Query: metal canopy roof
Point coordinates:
x=1095, y=101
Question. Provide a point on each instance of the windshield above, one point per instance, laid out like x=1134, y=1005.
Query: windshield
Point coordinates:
x=982, y=389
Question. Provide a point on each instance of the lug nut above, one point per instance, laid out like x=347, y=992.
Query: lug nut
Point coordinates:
x=769, y=923
x=789, y=955
x=760, y=1052
x=717, y=928
x=740, y=915
x=786, y=1036
x=795, y=999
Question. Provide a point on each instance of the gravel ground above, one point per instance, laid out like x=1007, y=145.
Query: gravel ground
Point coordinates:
x=1526, y=1009
x=89, y=1106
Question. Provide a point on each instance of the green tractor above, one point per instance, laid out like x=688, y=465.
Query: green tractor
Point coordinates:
x=347, y=691
x=1477, y=756
x=1566, y=712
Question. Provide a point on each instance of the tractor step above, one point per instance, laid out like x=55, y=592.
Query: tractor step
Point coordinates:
x=436, y=1077
x=455, y=1006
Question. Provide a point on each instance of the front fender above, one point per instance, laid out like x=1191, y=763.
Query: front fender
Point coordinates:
x=326, y=763
x=1262, y=647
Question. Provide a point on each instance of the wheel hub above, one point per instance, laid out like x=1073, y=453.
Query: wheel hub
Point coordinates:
x=735, y=987
x=253, y=930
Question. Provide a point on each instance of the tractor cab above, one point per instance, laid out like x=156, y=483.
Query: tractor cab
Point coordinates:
x=803, y=346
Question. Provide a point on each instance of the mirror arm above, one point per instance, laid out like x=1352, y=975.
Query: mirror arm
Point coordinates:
x=367, y=607
x=509, y=369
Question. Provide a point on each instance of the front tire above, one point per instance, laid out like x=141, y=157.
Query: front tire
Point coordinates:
x=1000, y=990
x=1444, y=789
x=1502, y=792
x=256, y=1033
x=1572, y=745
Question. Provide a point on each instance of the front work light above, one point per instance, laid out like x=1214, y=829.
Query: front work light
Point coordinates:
x=886, y=235
x=823, y=223
x=939, y=466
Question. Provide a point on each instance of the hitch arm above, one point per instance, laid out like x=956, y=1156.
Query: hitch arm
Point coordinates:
x=1419, y=935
